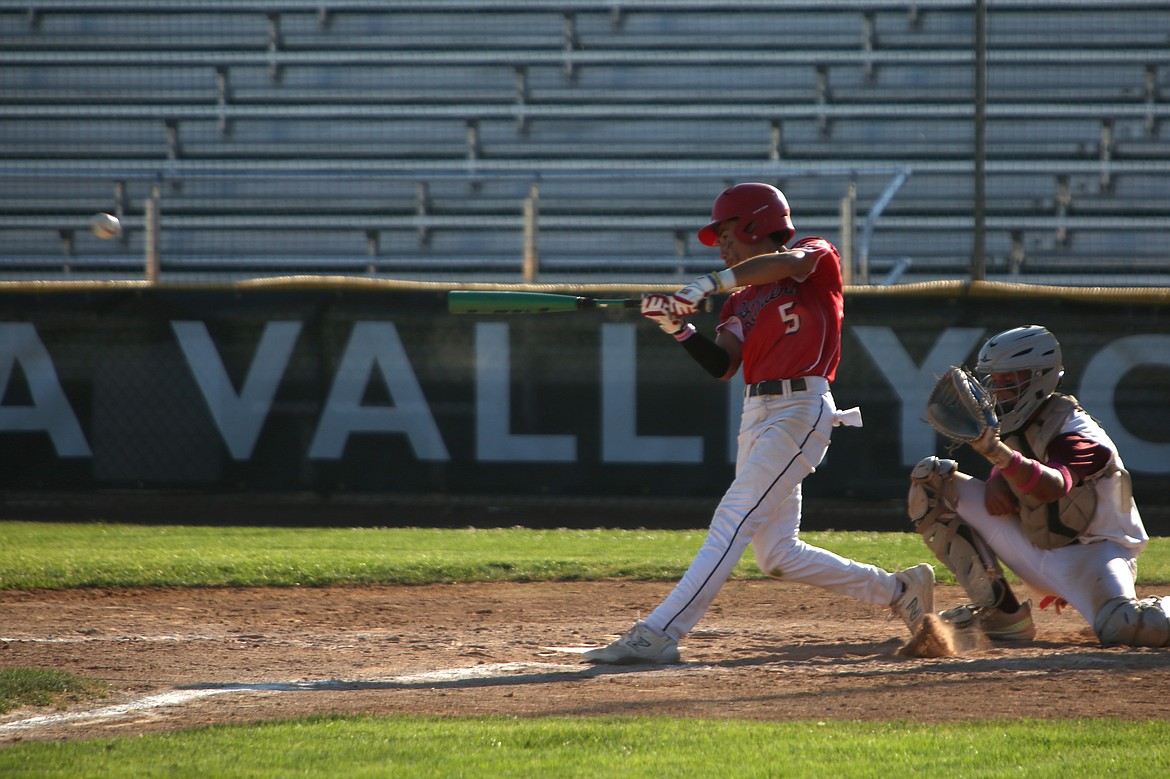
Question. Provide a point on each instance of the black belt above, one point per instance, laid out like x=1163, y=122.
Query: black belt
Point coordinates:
x=777, y=387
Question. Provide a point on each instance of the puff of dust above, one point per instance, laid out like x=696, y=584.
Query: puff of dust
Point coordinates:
x=935, y=638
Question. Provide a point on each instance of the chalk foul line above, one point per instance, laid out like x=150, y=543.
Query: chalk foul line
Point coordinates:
x=488, y=672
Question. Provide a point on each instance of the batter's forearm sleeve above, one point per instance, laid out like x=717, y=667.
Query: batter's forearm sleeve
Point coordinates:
x=708, y=354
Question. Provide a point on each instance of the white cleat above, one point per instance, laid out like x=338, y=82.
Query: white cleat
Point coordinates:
x=918, y=598
x=640, y=644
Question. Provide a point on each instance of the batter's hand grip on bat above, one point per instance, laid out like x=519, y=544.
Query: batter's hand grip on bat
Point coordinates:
x=504, y=302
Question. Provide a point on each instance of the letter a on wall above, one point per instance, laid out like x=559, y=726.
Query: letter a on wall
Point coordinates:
x=50, y=410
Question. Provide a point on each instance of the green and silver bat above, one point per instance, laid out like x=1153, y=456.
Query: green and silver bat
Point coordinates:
x=473, y=302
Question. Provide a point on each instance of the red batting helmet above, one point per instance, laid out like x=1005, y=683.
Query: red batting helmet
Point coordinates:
x=760, y=208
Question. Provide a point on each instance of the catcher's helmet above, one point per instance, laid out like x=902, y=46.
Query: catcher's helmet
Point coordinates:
x=760, y=208
x=1032, y=349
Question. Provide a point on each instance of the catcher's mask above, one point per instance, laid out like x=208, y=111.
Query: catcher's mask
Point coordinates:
x=760, y=208
x=1021, y=367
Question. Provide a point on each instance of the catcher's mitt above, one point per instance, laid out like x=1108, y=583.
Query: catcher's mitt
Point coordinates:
x=960, y=407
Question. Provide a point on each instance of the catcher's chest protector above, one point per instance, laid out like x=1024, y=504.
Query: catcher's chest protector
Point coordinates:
x=1052, y=525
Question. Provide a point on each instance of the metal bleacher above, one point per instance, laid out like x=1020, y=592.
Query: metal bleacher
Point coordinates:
x=403, y=138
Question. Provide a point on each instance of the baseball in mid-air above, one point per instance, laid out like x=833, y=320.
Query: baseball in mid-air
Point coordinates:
x=105, y=225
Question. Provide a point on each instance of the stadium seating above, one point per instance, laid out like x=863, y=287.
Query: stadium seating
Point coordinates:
x=399, y=138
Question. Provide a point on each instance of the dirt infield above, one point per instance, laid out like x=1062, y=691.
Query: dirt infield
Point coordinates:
x=177, y=658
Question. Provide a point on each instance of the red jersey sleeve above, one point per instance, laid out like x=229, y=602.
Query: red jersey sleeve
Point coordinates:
x=1080, y=455
x=792, y=327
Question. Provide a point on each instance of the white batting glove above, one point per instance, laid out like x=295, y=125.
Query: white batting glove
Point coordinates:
x=687, y=299
x=660, y=310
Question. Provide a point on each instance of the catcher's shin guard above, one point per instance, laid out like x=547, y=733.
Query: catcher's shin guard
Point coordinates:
x=1131, y=622
x=931, y=505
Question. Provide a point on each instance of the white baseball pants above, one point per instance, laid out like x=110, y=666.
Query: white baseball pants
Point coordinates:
x=782, y=439
x=1085, y=575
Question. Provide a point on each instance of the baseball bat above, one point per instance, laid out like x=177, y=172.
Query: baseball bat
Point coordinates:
x=474, y=302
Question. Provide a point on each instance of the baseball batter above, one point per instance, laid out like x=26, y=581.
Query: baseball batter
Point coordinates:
x=1056, y=508
x=783, y=326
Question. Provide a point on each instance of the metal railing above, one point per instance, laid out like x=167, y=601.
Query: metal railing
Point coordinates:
x=166, y=182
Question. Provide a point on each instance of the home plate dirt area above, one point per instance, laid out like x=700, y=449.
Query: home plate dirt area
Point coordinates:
x=176, y=658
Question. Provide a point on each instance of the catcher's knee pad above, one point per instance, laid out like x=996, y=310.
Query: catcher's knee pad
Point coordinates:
x=931, y=505
x=1131, y=622
x=932, y=491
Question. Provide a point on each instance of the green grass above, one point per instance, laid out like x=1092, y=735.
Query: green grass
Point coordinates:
x=39, y=687
x=66, y=555
x=499, y=748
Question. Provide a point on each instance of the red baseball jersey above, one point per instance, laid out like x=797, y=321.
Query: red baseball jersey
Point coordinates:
x=792, y=328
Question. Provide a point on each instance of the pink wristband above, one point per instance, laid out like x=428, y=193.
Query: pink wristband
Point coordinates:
x=1014, y=463
x=1032, y=482
x=686, y=332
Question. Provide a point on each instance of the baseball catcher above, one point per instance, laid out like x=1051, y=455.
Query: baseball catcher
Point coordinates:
x=1056, y=507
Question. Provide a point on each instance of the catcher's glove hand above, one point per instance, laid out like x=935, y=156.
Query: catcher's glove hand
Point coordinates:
x=960, y=407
